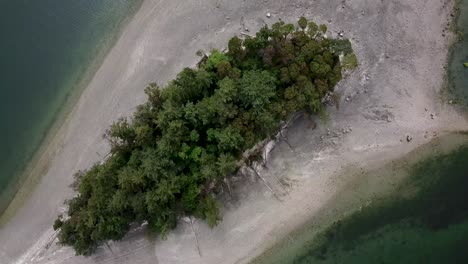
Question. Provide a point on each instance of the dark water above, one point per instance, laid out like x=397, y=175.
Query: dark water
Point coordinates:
x=429, y=227
x=47, y=49
x=424, y=219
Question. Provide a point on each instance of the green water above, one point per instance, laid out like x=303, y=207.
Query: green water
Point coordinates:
x=423, y=219
x=429, y=227
x=47, y=53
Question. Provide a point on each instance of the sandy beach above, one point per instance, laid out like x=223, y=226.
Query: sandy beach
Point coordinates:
x=393, y=96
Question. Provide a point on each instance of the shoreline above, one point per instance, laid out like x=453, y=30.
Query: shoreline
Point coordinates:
x=26, y=179
x=164, y=36
x=371, y=186
x=285, y=250
x=307, y=232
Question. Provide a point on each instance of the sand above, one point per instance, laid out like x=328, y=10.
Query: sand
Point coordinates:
x=391, y=95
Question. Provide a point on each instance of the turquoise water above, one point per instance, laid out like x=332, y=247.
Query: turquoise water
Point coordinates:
x=47, y=51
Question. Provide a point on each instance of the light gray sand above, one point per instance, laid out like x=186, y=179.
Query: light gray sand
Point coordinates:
x=401, y=51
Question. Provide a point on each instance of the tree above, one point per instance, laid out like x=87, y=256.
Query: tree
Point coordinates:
x=235, y=49
x=256, y=88
x=323, y=28
x=302, y=23
x=172, y=157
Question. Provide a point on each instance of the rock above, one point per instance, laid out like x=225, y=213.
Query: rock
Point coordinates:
x=389, y=119
x=268, y=14
x=432, y=116
x=451, y=102
x=409, y=138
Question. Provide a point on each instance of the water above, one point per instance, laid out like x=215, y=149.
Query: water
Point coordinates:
x=48, y=51
x=423, y=219
x=431, y=227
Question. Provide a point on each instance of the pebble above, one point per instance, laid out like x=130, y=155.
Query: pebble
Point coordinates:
x=268, y=14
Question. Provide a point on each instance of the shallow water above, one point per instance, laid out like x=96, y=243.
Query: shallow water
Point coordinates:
x=423, y=219
x=429, y=227
x=46, y=53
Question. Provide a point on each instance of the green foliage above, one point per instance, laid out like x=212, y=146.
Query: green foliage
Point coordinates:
x=342, y=46
x=350, y=61
x=323, y=28
x=215, y=58
x=302, y=23
x=170, y=159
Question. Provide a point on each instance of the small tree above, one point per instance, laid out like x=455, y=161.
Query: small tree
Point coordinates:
x=302, y=23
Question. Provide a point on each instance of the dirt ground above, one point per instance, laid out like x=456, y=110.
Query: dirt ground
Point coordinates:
x=394, y=93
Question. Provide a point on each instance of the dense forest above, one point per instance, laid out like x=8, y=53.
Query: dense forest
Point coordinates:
x=168, y=160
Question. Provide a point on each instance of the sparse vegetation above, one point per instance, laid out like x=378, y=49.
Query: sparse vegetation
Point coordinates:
x=350, y=61
x=170, y=158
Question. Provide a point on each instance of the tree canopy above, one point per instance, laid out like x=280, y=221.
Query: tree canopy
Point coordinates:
x=167, y=161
